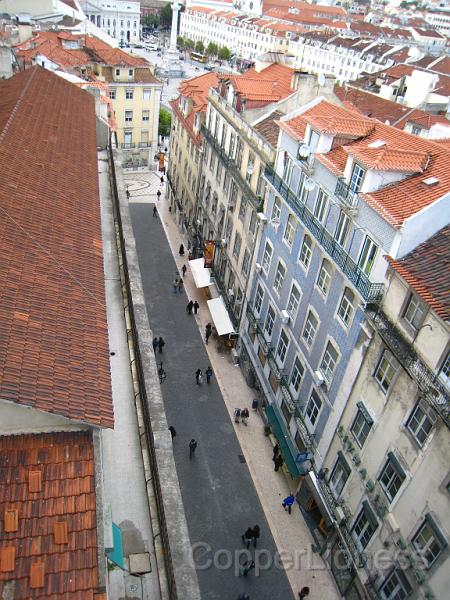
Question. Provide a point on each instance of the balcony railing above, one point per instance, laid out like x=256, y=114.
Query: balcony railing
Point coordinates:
x=127, y=145
x=371, y=292
x=230, y=164
x=432, y=389
x=348, y=196
x=145, y=144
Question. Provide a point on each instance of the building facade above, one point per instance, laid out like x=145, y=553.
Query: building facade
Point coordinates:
x=121, y=19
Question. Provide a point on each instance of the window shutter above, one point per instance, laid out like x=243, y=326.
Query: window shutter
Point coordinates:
x=436, y=531
x=365, y=413
x=370, y=514
x=397, y=466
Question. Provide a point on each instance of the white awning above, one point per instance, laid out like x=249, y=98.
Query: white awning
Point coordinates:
x=202, y=276
x=220, y=316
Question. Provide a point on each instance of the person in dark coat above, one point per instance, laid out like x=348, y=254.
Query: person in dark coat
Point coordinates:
x=128, y=194
x=245, y=415
x=256, y=532
x=155, y=211
x=162, y=179
x=158, y=194
x=192, y=447
x=208, y=331
x=189, y=307
x=155, y=343
x=279, y=462
x=196, y=306
x=161, y=344
x=184, y=269
x=175, y=286
x=247, y=537
x=180, y=285
x=276, y=451
x=209, y=374
x=247, y=567
x=181, y=250
x=303, y=593
x=198, y=376
x=172, y=430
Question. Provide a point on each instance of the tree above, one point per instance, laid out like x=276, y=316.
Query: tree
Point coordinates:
x=189, y=44
x=224, y=53
x=165, y=119
x=212, y=49
x=151, y=21
x=180, y=42
x=200, y=46
x=166, y=14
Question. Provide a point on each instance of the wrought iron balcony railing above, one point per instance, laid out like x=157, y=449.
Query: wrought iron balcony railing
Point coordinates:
x=127, y=145
x=371, y=292
x=348, y=196
x=430, y=386
x=230, y=164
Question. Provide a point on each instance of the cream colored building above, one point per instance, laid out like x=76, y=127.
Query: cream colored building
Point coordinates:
x=388, y=467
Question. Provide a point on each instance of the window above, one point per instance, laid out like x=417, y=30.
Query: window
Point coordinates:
x=293, y=302
x=259, y=297
x=289, y=232
x=237, y=246
x=414, y=312
x=346, y=307
x=252, y=224
x=270, y=319
x=395, y=586
x=306, y=251
x=282, y=346
x=392, y=477
x=130, y=72
x=361, y=424
x=320, y=208
x=342, y=228
x=357, y=178
x=267, y=257
x=112, y=93
x=313, y=408
x=429, y=541
x=129, y=93
x=246, y=263
x=302, y=192
x=385, y=371
x=421, y=422
x=279, y=277
x=329, y=361
x=444, y=373
x=339, y=474
x=367, y=256
x=276, y=210
x=324, y=278
x=310, y=329
x=365, y=525
x=288, y=168
x=128, y=116
x=145, y=115
x=243, y=208
x=298, y=371
x=117, y=72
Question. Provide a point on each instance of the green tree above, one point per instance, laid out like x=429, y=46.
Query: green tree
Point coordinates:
x=166, y=14
x=200, y=46
x=212, y=49
x=151, y=21
x=165, y=119
x=180, y=42
x=224, y=53
x=189, y=44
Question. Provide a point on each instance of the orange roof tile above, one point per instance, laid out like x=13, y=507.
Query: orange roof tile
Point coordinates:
x=43, y=568
x=11, y=520
x=390, y=159
x=54, y=352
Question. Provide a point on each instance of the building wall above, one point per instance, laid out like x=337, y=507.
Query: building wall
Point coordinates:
x=120, y=19
x=16, y=420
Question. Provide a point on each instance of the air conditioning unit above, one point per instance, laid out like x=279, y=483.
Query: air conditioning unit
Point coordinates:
x=262, y=217
x=340, y=515
x=285, y=317
x=258, y=267
x=319, y=378
x=223, y=243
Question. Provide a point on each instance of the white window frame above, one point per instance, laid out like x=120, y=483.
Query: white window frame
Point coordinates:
x=146, y=94
x=293, y=301
x=289, y=230
x=444, y=371
x=321, y=206
x=297, y=375
x=307, y=253
x=267, y=257
x=421, y=422
x=146, y=115
x=313, y=409
x=414, y=313
x=342, y=228
x=386, y=365
x=308, y=339
x=367, y=255
x=329, y=362
x=129, y=93
x=339, y=475
x=356, y=178
x=390, y=476
x=259, y=299
x=280, y=275
x=282, y=347
x=324, y=277
x=276, y=210
x=269, y=321
x=397, y=589
x=128, y=119
x=364, y=527
x=346, y=307
x=424, y=547
x=360, y=427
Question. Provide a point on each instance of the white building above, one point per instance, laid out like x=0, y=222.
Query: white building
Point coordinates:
x=121, y=19
x=439, y=20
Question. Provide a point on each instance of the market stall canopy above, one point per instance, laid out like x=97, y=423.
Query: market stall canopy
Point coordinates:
x=202, y=276
x=220, y=316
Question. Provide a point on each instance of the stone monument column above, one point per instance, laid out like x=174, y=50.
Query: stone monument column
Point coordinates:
x=171, y=66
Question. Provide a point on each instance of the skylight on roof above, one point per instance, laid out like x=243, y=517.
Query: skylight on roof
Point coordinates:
x=430, y=181
x=377, y=144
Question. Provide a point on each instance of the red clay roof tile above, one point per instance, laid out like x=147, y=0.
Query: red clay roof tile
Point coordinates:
x=11, y=520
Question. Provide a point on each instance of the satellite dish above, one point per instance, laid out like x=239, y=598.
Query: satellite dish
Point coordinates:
x=321, y=79
x=309, y=185
x=250, y=168
x=304, y=150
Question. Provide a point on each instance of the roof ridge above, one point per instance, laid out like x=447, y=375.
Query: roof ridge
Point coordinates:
x=18, y=103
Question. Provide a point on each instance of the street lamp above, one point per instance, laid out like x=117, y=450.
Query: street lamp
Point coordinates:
x=161, y=373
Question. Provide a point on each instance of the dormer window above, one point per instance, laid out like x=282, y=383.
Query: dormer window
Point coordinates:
x=356, y=178
x=130, y=73
x=117, y=72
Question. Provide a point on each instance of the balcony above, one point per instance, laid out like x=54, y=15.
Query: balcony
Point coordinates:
x=231, y=166
x=371, y=292
x=433, y=391
x=346, y=195
x=127, y=145
x=145, y=144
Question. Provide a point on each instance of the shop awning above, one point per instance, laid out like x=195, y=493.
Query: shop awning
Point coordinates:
x=202, y=276
x=281, y=433
x=220, y=316
x=319, y=497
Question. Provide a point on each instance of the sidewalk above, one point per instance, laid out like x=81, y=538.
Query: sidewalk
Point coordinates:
x=290, y=532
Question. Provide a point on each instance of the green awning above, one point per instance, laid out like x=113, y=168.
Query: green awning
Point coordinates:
x=283, y=438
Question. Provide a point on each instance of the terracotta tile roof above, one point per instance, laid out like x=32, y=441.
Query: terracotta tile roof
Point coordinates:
x=427, y=270
x=35, y=559
x=197, y=89
x=445, y=142
x=268, y=128
x=390, y=159
x=335, y=160
x=268, y=85
x=54, y=351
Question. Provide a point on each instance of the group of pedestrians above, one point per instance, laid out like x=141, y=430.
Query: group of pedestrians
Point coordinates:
x=199, y=375
x=178, y=285
x=158, y=343
x=277, y=458
x=192, y=306
x=241, y=414
x=252, y=534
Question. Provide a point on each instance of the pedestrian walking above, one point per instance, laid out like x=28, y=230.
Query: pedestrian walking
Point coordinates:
x=180, y=285
x=184, y=269
x=128, y=194
x=162, y=179
x=181, y=250
x=192, y=447
x=208, y=331
x=155, y=211
x=288, y=502
x=243, y=596
x=164, y=170
x=161, y=344
x=303, y=593
x=276, y=451
x=279, y=462
x=196, y=307
x=246, y=568
x=158, y=194
x=198, y=376
x=209, y=374
x=237, y=415
x=155, y=343
x=256, y=532
x=189, y=307
x=175, y=285
x=245, y=415
x=247, y=536
x=173, y=432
